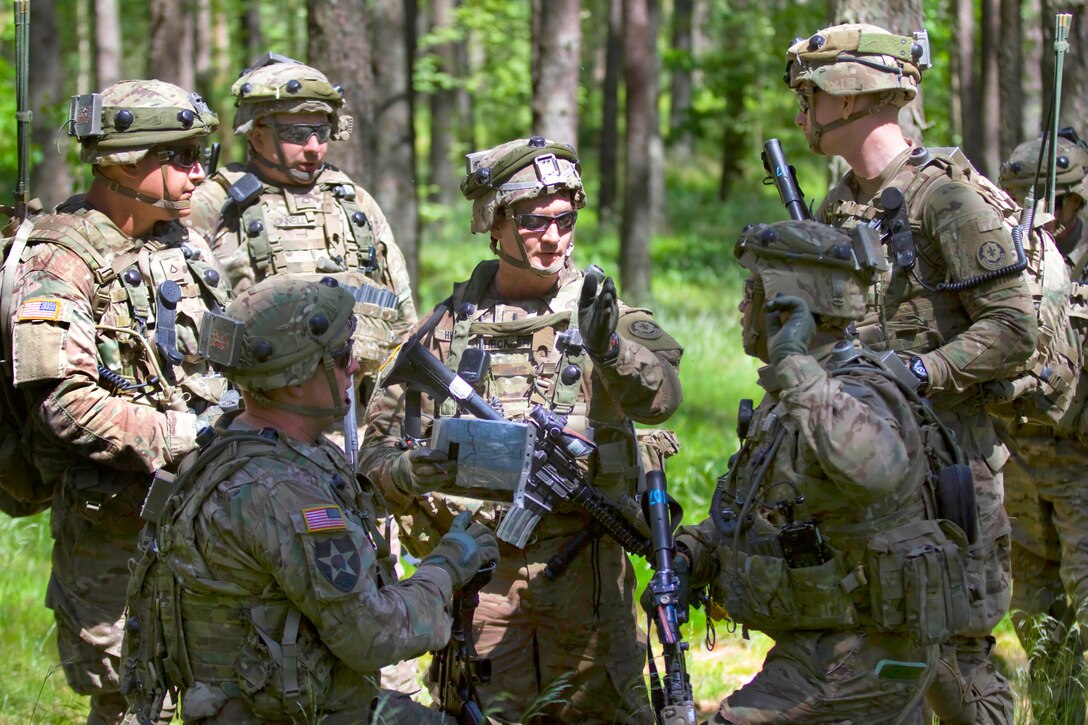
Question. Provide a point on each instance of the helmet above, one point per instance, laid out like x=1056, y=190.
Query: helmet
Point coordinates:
x=516, y=170
x=120, y=124
x=279, y=332
x=1018, y=173
x=276, y=84
x=852, y=59
x=828, y=268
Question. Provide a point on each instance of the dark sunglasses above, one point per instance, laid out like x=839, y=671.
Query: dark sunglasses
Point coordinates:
x=804, y=98
x=300, y=132
x=183, y=157
x=541, y=222
x=342, y=358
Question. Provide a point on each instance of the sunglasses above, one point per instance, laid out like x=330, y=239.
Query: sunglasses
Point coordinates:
x=540, y=222
x=804, y=99
x=183, y=157
x=342, y=358
x=300, y=132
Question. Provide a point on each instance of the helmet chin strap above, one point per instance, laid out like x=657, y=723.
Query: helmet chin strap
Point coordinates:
x=819, y=129
x=295, y=175
x=550, y=271
x=174, y=207
x=339, y=410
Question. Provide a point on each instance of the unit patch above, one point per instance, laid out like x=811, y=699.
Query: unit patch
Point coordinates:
x=992, y=255
x=646, y=329
x=338, y=561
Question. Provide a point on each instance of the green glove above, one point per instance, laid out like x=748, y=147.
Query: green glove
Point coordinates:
x=598, y=314
x=793, y=337
x=422, y=470
x=464, y=550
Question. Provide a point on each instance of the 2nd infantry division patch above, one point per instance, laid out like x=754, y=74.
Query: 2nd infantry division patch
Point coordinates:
x=338, y=561
x=41, y=308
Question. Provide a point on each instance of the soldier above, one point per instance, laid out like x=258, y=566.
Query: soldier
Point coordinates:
x=1045, y=496
x=110, y=292
x=556, y=341
x=830, y=493
x=1071, y=192
x=952, y=305
x=268, y=520
x=286, y=210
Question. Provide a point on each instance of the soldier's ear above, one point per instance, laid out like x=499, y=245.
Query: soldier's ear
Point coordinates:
x=846, y=105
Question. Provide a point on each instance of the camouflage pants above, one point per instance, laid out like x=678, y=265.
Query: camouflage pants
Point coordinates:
x=835, y=677
x=87, y=593
x=389, y=708
x=569, y=649
x=1047, y=499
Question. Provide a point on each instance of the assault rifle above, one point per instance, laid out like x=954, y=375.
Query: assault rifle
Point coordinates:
x=672, y=696
x=784, y=176
x=554, y=476
x=457, y=668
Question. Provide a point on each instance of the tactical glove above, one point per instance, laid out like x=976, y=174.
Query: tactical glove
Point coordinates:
x=464, y=550
x=422, y=470
x=682, y=570
x=793, y=337
x=598, y=314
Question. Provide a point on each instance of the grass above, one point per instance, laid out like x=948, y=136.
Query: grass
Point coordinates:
x=696, y=289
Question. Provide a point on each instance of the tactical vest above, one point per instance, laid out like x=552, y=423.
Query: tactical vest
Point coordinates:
x=215, y=640
x=1044, y=386
x=126, y=309
x=893, y=566
x=321, y=233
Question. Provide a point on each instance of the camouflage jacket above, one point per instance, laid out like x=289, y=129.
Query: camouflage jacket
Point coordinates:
x=524, y=341
x=840, y=450
x=105, y=409
x=333, y=228
x=285, y=539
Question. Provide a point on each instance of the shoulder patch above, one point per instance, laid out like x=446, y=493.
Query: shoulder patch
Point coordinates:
x=338, y=561
x=646, y=329
x=42, y=308
x=324, y=518
x=991, y=255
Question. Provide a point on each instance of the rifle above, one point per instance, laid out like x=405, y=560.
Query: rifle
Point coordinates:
x=673, y=700
x=459, y=656
x=784, y=176
x=554, y=477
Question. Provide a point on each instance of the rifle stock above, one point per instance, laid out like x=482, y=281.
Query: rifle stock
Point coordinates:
x=556, y=475
x=784, y=177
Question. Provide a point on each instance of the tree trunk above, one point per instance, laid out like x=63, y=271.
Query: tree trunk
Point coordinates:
x=251, y=31
x=1033, y=86
x=637, y=225
x=50, y=180
x=901, y=18
x=610, y=110
x=395, y=187
x=557, y=54
x=680, y=84
x=971, y=121
x=170, y=51
x=990, y=106
x=443, y=103
x=339, y=47
x=465, y=112
x=107, y=32
x=223, y=74
x=85, y=75
x=1011, y=71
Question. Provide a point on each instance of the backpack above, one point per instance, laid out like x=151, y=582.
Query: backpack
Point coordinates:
x=22, y=490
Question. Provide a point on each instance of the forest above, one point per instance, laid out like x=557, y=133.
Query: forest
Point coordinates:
x=668, y=103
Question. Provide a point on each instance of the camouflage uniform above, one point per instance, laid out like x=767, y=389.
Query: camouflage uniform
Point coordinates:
x=287, y=605
x=961, y=227
x=103, y=415
x=841, y=445
x=1044, y=495
x=577, y=633
x=326, y=226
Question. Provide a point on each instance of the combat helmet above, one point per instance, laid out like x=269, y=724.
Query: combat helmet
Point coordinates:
x=826, y=267
x=1071, y=168
x=278, y=333
x=525, y=168
x=126, y=120
x=277, y=84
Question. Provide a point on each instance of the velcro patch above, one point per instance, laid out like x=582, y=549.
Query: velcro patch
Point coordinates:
x=324, y=518
x=42, y=308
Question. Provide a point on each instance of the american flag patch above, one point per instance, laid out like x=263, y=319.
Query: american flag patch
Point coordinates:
x=41, y=309
x=324, y=518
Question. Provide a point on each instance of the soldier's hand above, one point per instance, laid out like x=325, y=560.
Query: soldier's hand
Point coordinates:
x=598, y=315
x=682, y=570
x=464, y=550
x=793, y=336
x=421, y=470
